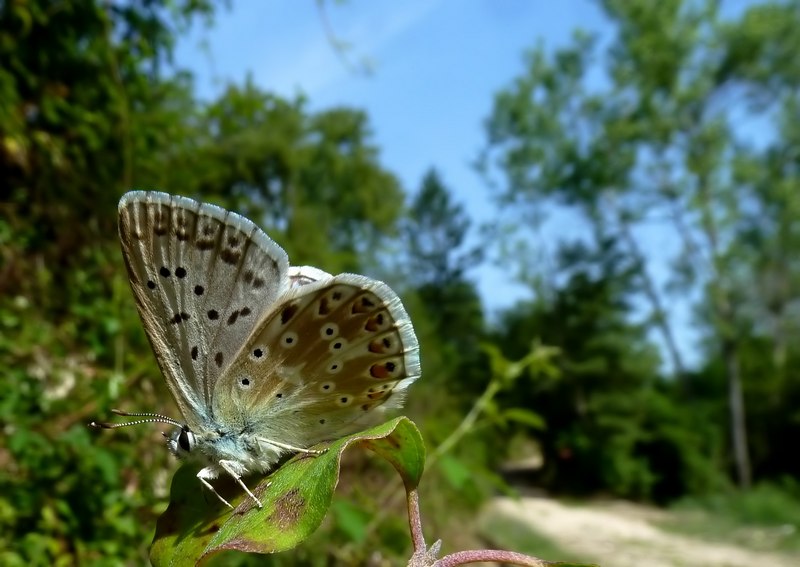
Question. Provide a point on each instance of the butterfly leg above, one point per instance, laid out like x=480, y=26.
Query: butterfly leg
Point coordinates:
x=233, y=469
x=292, y=448
x=208, y=473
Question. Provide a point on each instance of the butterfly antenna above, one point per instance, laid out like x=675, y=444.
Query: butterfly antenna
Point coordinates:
x=151, y=418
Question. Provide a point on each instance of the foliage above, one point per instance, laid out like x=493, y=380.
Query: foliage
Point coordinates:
x=314, y=179
x=666, y=139
x=101, y=113
x=612, y=423
x=296, y=498
x=436, y=263
x=82, y=102
x=691, y=129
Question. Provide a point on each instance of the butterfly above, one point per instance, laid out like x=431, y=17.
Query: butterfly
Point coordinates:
x=263, y=359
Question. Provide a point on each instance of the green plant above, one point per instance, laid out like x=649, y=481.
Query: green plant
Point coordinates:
x=296, y=498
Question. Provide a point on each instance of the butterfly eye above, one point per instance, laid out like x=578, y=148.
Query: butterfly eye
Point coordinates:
x=245, y=382
x=337, y=345
x=186, y=440
x=327, y=387
x=335, y=367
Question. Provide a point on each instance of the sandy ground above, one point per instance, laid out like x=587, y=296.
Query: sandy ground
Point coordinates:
x=624, y=536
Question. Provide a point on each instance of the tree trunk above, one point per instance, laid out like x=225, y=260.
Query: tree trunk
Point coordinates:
x=651, y=292
x=741, y=453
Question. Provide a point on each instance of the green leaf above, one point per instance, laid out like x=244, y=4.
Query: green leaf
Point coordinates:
x=351, y=519
x=296, y=498
x=525, y=417
x=456, y=472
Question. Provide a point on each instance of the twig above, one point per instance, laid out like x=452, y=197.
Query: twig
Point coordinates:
x=415, y=520
x=340, y=47
x=496, y=555
x=424, y=557
x=389, y=496
x=466, y=424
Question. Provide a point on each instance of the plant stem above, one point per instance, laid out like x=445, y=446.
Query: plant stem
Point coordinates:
x=466, y=424
x=496, y=555
x=415, y=521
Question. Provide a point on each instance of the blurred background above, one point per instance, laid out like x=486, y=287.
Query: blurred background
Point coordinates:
x=590, y=208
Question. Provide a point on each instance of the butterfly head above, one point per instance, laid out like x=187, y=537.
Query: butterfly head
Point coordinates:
x=181, y=441
x=209, y=446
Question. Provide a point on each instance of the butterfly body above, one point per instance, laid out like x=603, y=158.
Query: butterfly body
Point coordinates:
x=262, y=358
x=211, y=447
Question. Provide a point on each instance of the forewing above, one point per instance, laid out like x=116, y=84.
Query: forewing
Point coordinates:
x=322, y=363
x=202, y=277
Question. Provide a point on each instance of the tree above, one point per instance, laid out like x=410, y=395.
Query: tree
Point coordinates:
x=90, y=108
x=82, y=100
x=436, y=262
x=613, y=424
x=661, y=142
x=83, y=105
x=313, y=179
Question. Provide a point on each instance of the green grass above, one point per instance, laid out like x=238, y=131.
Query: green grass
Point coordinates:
x=766, y=518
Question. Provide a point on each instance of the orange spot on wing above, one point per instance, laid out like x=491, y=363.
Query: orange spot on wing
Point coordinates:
x=379, y=371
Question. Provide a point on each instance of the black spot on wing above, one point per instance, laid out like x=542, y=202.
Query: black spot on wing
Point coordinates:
x=179, y=317
x=230, y=256
x=287, y=313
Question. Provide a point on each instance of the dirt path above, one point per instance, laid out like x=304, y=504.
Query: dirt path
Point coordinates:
x=623, y=536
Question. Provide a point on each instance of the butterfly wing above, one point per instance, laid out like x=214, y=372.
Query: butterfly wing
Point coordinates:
x=318, y=366
x=304, y=275
x=202, y=277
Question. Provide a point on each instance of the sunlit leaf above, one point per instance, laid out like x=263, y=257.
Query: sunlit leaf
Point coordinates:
x=296, y=498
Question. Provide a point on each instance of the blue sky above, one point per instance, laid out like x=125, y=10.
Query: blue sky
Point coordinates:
x=437, y=65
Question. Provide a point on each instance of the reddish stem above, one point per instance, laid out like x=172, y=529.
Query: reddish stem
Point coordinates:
x=424, y=557
x=497, y=555
x=415, y=521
